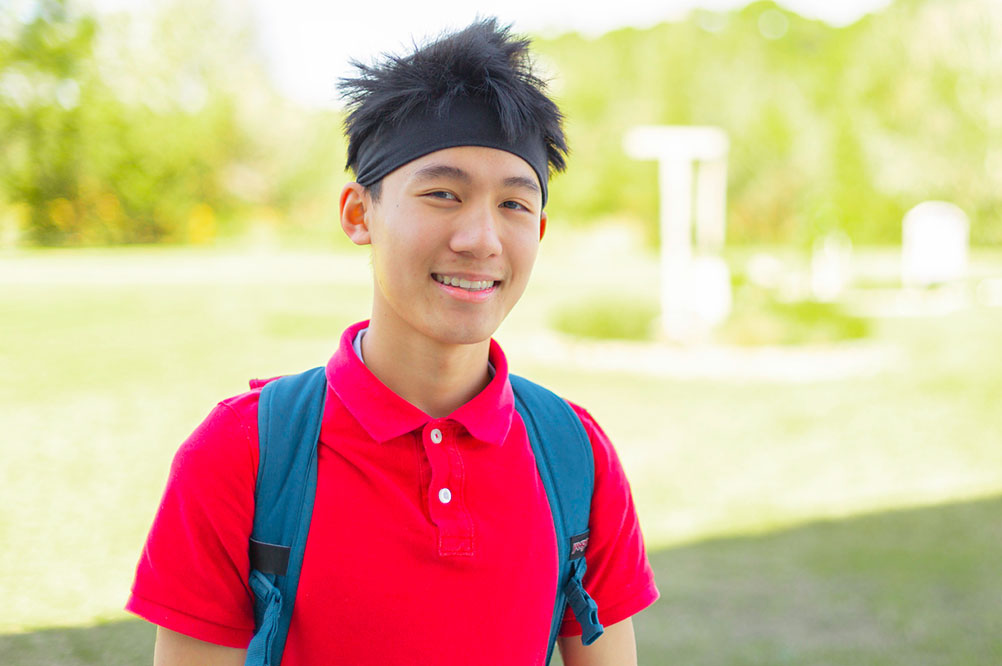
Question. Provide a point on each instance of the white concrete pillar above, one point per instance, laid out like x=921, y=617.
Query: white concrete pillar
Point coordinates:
x=695, y=287
x=934, y=242
x=711, y=204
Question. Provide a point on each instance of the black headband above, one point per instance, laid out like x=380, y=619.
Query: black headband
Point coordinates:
x=467, y=122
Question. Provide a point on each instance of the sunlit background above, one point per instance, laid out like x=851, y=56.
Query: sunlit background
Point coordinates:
x=816, y=455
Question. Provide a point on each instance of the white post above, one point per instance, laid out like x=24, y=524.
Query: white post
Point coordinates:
x=695, y=291
x=676, y=243
x=711, y=204
x=934, y=242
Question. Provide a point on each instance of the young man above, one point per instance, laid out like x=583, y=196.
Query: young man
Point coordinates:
x=431, y=540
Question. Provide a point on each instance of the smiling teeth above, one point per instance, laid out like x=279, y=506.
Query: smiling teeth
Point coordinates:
x=470, y=285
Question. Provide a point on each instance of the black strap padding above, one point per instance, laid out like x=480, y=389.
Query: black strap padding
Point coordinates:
x=269, y=558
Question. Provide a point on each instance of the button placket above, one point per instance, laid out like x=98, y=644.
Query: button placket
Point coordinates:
x=446, y=507
x=439, y=491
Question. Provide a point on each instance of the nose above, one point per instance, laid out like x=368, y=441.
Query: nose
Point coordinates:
x=476, y=233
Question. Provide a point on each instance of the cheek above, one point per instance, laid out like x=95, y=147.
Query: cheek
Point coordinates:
x=526, y=249
x=386, y=266
x=522, y=257
x=398, y=262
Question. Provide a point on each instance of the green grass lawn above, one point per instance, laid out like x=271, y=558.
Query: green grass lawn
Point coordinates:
x=853, y=520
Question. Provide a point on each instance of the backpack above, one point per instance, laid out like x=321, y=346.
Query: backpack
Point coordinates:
x=289, y=416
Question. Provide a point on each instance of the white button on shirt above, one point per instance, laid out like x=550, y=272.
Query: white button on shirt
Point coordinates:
x=444, y=495
x=436, y=436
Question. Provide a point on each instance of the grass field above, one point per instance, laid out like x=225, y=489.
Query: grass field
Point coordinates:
x=839, y=505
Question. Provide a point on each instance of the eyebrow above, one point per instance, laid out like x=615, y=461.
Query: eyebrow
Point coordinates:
x=522, y=181
x=433, y=171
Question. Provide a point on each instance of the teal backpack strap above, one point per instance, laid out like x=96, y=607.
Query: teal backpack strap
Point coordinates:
x=567, y=468
x=290, y=411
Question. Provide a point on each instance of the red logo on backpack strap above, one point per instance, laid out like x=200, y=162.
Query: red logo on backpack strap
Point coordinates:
x=579, y=544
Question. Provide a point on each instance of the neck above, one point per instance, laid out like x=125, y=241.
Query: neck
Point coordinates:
x=436, y=378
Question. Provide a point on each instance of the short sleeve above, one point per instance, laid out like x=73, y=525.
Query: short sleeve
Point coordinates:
x=619, y=578
x=193, y=572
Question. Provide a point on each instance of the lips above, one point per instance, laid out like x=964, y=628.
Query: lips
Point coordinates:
x=463, y=283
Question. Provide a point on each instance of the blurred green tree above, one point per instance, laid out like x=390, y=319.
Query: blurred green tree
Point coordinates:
x=161, y=125
x=127, y=133
x=44, y=56
x=832, y=128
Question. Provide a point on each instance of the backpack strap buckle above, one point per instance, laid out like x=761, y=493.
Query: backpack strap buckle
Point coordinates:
x=584, y=607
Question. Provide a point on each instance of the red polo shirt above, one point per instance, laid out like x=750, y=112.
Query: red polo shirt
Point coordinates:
x=431, y=541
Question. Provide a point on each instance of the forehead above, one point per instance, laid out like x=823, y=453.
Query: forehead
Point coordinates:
x=471, y=164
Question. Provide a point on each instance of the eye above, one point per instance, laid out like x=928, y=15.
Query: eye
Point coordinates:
x=514, y=205
x=442, y=194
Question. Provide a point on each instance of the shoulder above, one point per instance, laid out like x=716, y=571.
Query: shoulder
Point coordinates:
x=198, y=540
x=602, y=447
x=228, y=436
x=606, y=458
x=619, y=577
x=225, y=439
x=591, y=426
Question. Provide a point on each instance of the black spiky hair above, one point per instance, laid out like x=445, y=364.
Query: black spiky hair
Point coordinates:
x=483, y=61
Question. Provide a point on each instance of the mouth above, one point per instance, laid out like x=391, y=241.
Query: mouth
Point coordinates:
x=462, y=283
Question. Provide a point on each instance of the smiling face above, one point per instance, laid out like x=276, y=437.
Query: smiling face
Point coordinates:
x=454, y=237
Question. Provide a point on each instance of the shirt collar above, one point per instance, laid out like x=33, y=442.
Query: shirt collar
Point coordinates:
x=385, y=415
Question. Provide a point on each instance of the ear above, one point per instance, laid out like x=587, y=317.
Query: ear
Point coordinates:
x=542, y=224
x=355, y=206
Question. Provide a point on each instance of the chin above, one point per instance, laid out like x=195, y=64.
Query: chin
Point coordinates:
x=464, y=335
